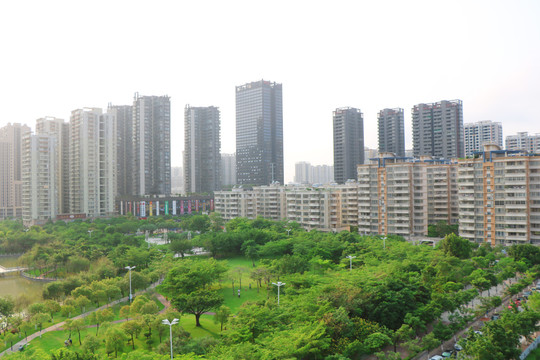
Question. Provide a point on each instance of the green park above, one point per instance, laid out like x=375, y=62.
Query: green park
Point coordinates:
x=257, y=289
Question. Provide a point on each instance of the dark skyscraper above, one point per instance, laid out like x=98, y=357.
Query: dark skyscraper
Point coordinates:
x=391, y=124
x=259, y=133
x=348, y=143
x=202, y=155
x=438, y=129
x=151, y=145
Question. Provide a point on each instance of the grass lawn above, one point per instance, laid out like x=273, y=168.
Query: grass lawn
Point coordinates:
x=234, y=302
x=55, y=339
x=535, y=355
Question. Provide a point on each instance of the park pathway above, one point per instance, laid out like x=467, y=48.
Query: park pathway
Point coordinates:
x=59, y=325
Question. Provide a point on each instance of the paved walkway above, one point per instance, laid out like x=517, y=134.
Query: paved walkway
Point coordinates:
x=58, y=326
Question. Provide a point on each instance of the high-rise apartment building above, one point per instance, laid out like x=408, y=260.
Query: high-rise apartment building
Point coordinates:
x=481, y=133
x=92, y=162
x=403, y=196
x=59, y=129
x=322, y=174
x=348, y=143
x=259, y=133
x=438, y=129
x=524, y=141
x=41, y=195
x=303, y=173
x=202, y=148
x=228, y=169
x=177, y=180
x=370, y=154
x=124, y=147
x=391, y=123
x=499, y=197
x=151, y=145
x=11, y=137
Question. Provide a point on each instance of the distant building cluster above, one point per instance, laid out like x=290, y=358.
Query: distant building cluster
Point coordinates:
x=100, y=160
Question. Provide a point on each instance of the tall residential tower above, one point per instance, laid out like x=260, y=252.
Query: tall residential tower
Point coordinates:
x=151, y=145
x=202, y=147
x=259, y=133
x=391, y=123
x=438, y=129
x=348, y=143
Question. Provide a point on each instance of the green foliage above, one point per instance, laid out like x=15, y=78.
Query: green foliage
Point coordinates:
x=454, y=245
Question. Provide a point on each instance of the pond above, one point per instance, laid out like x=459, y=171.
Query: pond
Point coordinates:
x=15, y=285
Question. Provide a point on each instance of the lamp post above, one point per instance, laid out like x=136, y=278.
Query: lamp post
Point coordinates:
x=350, y=257
x=170, y=323
x=130, y=268
x=384, y=242
x=279, y=285
x=289, y=232
x=90, y=232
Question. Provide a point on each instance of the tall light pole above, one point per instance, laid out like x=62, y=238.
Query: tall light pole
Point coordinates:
x=279, y=285
x=384, y=242
x=289, y=232
x=90, y=232
x=350, y=257
x=130, y=268
x=170, y=323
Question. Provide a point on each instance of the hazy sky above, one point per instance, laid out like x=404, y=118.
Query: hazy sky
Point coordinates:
x=57, y=56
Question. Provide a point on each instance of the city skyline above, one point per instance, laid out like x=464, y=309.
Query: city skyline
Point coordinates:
x=493, y=71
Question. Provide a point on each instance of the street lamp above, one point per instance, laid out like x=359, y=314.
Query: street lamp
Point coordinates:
x=289, y=232
x=384, y=242
x=90, y=232
x=170, y=323
x=279, y=285
x=130, y=268
x=350, y=257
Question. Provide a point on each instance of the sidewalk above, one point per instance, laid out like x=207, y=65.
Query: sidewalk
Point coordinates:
x=58, y=326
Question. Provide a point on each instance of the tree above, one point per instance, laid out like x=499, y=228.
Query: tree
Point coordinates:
x=52, y=307
x=125, y=311
x=251, y=250
x=189, y=285
x=132, y=328
x=454, y=245
x=114, y=340
x=78, y=325
x=181, y=246
x=39, y=319
x=430, y=342
x=222, y=316
x=99, y=317
x=90, y=345
x=82, y=302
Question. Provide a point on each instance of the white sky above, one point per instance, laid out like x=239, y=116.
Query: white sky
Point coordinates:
x=57, y=56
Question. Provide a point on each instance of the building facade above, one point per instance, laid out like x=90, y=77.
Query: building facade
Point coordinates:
x=524, y=141
x=11, y=137
x=151, y=145
x=228, y=169
x=391, y=125
x=403, y=196
x=499, y=197
x=202, y=149
x=59, y=129
x=438, y=130
x=348, y=143
x=124, y=147
x=481, y=133
x=41, y=195
x=92, y=152
x=259, y=133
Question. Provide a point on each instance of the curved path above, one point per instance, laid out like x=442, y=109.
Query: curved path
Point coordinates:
x=59, y=325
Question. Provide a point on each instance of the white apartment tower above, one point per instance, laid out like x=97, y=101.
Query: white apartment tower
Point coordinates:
x=92, y=162
x=40, y=191
x=482, y=133
x=59, y=129
x=523, y=141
